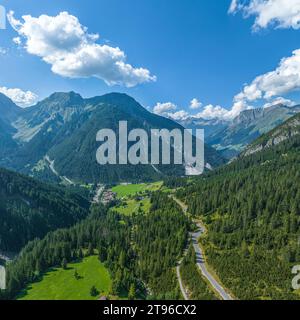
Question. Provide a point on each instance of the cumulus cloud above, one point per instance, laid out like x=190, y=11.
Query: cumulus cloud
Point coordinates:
x=267, y=90
x=17, y=41
x=21, y=98
x=164, y=108
x=66, y=45
x=209, y=112
x=283, y=80
x=280, y=100
x=233, y=6
x=278, y=13
x=195, y=104
x=212, y=112
x=168, y=109
x=179, y=115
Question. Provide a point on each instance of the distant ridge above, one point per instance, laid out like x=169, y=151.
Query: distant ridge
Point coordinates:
x=232, y=137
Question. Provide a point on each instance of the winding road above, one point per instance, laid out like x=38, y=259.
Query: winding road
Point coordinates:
x=218, y=288
x=202, y=265
x=182, y=288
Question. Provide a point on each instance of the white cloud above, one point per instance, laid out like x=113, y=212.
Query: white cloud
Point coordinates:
x=213, y=112
x=66, y=45
x=278, y=13
x=168, y=109
x=233, y=6
x=209, y=112
x=280, y=100
x=267, y=89
x=195, y=104
x=164, y=108
x=17, y=41
x=21, y=98
x=283, y=80
x=179, y=115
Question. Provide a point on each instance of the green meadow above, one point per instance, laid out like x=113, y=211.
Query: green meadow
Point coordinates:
x=129, y=202
x=60, y=284
x=131, y=206
x=133, y=189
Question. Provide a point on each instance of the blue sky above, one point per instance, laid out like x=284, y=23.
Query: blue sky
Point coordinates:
x=195, y=49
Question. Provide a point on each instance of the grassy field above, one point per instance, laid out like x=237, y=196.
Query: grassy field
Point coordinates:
x=59, y=284
x=132, y=189
x=127, y=193
x=130, y=206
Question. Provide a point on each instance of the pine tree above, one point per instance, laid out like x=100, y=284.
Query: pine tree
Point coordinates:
x=64, y=263
x=76, y=275
x=94, y=292
x=132, y=292
x=90, y=251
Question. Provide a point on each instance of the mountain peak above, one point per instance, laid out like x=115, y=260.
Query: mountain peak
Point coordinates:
x=60, y=101
x=113, y=98
x=66, y=97
x=120, y=100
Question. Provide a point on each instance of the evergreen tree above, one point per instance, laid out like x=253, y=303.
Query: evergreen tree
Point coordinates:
x=132, y=292
x=64, y=263
x=94, y=292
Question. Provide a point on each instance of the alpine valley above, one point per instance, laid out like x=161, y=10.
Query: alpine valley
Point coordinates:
x=55, y=140
x=139, y=232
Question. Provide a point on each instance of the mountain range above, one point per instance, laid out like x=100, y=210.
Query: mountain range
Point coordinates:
x=232, y=137
x=252, y=222
x=56, y=139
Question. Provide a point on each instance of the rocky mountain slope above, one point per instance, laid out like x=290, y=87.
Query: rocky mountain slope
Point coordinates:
x=284, y=132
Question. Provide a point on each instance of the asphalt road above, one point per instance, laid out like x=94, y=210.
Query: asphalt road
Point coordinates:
x=201, y=261
x=182, y=289
x=202, y=266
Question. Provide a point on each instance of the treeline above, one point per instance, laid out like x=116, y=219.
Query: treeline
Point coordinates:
x=159, y=239
x=30, y=209
x=175, y=182
x=252, y=210
x=101, y=231
x=139, y=251
x=197, y=288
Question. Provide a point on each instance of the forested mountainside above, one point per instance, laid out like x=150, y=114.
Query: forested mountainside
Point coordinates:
x=160, y=239
x=195, y=284
x=56, y=139
x=252, y=210
x=30, y=209
x=139, y=250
